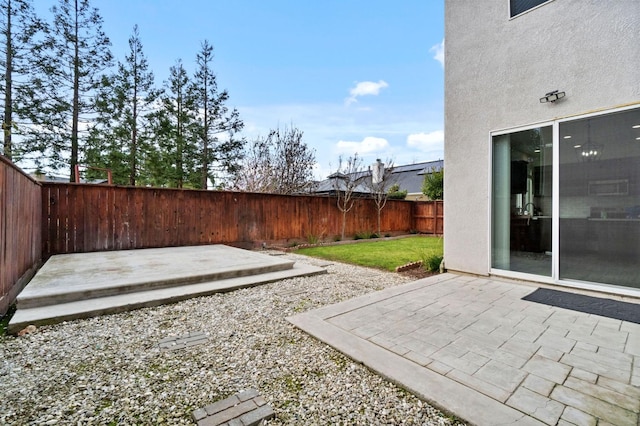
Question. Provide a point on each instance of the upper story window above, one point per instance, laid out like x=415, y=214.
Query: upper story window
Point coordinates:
x=520, y=6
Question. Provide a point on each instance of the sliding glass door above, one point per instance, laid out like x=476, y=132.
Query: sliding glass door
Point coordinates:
x=600, y=199
x=522, y=201
x=587, y=171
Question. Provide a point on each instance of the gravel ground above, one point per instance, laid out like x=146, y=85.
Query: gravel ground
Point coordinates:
x=109, y=370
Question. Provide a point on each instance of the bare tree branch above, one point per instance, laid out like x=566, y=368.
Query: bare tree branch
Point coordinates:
x=345, y=181
x=381, y=180
x=281, y=163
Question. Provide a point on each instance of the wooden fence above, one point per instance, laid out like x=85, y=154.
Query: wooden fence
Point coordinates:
x=38, y=220
x=20, y=231
x=428, y=217
x=82, y=218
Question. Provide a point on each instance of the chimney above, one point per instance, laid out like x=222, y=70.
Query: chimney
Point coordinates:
x=378, y=172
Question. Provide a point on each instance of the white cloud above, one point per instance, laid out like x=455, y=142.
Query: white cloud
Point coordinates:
x=368, y=88
x=432, y=141
x=438, y=52
x=367, y=145
x=364, y=88
x=324, y=124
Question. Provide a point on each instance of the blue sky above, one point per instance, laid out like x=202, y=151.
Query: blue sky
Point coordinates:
x=360, y=76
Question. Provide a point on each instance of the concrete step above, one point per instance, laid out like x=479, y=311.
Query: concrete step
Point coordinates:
x=79, y=277
x=71, y=310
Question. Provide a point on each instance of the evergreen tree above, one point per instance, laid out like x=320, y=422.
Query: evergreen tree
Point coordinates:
x=433, y=184
x=20, y=28
x=174, y=159
x=217, y=125
x=70, y=71
x=124, y=105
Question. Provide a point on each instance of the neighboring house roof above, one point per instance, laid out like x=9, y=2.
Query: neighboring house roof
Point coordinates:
x=409, y=177
x=64, y=179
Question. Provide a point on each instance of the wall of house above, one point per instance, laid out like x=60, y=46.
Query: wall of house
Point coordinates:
x=497, y=68
x=20, y=225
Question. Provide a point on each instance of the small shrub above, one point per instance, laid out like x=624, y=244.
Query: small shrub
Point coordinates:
x=432, y=261
x=312, y=239
x=395, y=193
x=365, y=235
x=293, y=244
x=4, y=321
x=336, y=238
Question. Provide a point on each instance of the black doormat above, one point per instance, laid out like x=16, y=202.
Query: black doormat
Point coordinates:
x=591, y=305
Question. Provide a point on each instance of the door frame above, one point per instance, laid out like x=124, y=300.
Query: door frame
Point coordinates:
x=555, y=220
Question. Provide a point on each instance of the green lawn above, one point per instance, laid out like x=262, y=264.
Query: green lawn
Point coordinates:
x=384, y=254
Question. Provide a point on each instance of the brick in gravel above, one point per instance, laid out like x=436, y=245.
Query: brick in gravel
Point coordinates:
x=253, y=418
x=259, y=400
x=248, y=394
x=232, y=413
x=218, y=406
x=199, y=414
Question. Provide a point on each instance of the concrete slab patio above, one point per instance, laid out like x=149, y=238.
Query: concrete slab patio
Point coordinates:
x=472, y=347
x=82, y=285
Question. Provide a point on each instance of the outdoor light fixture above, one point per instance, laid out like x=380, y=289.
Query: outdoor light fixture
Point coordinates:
x=552, y=97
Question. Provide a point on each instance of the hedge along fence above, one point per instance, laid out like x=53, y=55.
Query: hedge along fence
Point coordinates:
x=83, y=218
x=20, y=231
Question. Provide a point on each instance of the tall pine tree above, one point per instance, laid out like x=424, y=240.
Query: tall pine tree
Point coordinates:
x=174, y=159
x=70, y=71
x=20, y=29
x=119, y=141
x=218, y=148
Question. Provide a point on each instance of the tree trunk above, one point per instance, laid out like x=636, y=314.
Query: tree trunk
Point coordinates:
x=8, y=111
x=205, y=140
x=76, y=99
x=134, y=129
x=179, y=144
x=205, y=131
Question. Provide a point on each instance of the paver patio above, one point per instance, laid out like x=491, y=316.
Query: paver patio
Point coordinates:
x=471, y=346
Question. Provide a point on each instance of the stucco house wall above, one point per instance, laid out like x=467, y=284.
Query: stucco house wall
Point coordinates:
x=497, y=68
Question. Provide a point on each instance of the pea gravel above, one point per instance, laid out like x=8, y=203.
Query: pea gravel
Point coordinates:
x=110, y=370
